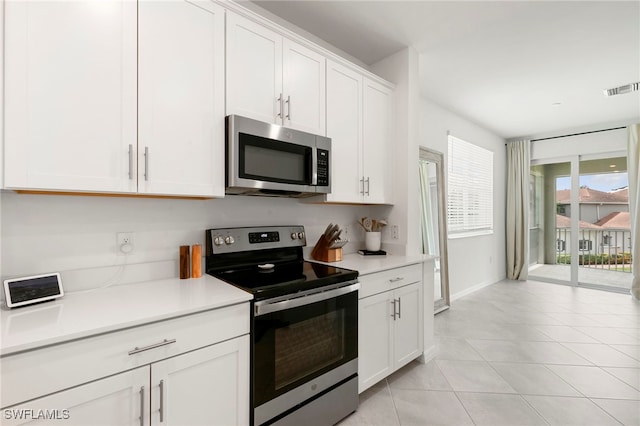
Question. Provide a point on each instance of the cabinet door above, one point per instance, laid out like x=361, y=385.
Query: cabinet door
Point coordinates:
x=113, y=401
x=181, y=98
x=254, y=70
x=344, y=127
x=304, y=86
x=70, y=95
x=377, y=142
x=209, y=386
x=407, y=343
x=375, y=360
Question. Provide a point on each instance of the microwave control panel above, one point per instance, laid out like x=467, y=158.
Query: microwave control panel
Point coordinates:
x=323, y=167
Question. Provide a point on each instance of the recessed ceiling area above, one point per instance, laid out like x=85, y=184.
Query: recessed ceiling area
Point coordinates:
x=516, y=68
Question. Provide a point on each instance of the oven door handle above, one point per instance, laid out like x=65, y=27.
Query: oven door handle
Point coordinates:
x=266, y=307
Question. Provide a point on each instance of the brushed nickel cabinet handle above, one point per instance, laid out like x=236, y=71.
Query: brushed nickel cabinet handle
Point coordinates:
x=130, y=162
x=279, y=100
x=146, y=163
x=399, y=309
x=142, y=406
x=155, y=345
x=362, y=183
x=288, y=102
x=396, y=279
x=394, y=309
x=161, y=401
x=368, y=185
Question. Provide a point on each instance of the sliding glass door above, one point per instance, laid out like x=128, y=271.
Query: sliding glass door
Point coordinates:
x=549, y=224
x=579, y=222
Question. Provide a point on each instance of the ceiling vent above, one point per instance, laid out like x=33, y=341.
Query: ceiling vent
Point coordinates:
x=627, y=88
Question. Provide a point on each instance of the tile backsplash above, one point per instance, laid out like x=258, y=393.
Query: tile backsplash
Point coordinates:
x=76, y=235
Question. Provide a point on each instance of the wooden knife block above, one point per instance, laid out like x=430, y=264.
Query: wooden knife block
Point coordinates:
x=322, y=252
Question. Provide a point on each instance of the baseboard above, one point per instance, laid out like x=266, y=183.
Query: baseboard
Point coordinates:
x=428, y=354
x=475, y=288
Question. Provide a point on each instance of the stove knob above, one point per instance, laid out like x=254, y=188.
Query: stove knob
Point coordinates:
x=294, y=236
x=301, y=235
x=229, y=240
x=218, y=241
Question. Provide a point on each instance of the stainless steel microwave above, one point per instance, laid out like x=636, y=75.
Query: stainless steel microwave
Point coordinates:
x=267, y=159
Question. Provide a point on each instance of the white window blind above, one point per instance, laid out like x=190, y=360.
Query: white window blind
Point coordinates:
x=470, y=189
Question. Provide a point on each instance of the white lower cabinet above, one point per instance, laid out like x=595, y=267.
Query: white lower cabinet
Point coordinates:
x=209, y=386
x=192, y=370
x=116, y=400
x=390, y=324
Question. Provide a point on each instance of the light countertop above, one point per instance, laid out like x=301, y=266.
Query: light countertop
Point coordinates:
x=372, y=264
x=86, y=313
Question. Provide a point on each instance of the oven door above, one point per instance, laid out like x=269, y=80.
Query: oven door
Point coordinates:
x=302, y=348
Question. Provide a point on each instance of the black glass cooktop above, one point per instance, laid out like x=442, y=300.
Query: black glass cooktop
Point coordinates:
x=267, y=280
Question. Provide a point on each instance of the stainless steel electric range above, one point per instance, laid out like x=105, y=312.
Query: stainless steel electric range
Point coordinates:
x=304, y=353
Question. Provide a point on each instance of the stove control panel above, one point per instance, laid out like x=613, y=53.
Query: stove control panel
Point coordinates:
x=230, y=240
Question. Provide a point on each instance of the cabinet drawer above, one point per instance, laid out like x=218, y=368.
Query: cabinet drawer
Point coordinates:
x=39, y=372
x=389, y=279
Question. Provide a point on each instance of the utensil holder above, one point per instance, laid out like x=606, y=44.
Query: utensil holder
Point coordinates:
x=372, y=240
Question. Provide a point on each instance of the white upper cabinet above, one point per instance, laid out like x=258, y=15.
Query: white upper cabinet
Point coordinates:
x=377, y=142
x=273, y=79
x=304, y=88
x=70, y=95
x=344, y=127
x=181, y=98
x=254, y=70
x=359, y=124
x=115, y=96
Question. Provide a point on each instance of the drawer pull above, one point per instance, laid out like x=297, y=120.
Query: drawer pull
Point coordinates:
x=394, y=309
x=155, y=345
x=396, y=279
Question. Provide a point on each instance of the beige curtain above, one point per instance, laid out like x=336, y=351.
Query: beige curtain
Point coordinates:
x=633, y=168
x=518, y=170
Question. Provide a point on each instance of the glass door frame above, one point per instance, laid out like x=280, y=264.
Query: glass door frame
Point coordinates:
x=574, y=161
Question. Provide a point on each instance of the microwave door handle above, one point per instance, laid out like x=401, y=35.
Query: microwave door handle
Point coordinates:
x=314, y=166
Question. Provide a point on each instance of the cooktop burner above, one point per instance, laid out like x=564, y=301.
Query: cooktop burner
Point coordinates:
x=268, y=261
x=267, y=281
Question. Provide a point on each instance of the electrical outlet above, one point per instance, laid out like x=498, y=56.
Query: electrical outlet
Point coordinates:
x=346, y=232
x=124, y=243
x=395, y=232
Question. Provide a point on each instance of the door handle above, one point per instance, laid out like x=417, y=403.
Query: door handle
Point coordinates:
x=142, y=406
x=394, y=309
x=362, y=183
x=288, y=102
x=146, y=163
x=130, y=162
x=161, y=401
x=399, y=309
x=279, y=100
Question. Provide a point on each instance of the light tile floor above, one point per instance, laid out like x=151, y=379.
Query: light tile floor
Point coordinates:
x=520, y=353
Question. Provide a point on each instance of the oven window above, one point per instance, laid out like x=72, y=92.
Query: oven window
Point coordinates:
x=274, y=161
x=295, y=345
x=308, y=346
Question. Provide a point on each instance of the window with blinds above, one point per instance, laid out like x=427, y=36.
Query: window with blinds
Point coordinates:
x=470, y=189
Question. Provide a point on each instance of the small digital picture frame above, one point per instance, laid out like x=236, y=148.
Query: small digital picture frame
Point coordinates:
x=34, y=289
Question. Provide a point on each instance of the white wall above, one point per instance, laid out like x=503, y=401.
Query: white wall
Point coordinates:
x=473, y=261
x=402, y=69
x=77, y=234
